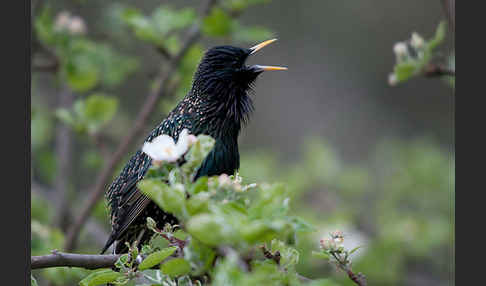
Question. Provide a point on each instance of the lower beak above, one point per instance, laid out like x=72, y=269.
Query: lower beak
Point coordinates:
x=259, y=68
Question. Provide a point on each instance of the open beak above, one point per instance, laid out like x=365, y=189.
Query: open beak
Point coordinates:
x=259, y=68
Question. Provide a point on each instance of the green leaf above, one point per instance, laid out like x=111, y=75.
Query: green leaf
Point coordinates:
x=65, y=116
x=300, y=225
x=200, y=256
x=198, y=203
x=44, y=26
x=321, y=255
x=239, y=5
x=197, y=153
x=100, y=277
x=122, y=261
x=167, y=20
x=207, y=228
x=405, y=70
x=176, y=267
x=289, y=255
x=439, y=36
x=99, y=109
x=257, y=232
x=156, y=257
x=81, y=75
x=201, y=185
x=217, y=23
x=354, y=249
x=170, y=199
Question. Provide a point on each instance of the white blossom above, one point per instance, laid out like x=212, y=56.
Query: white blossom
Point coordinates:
x=77, y=26
x=392, y=79
x=400, y=49
x=224, y=180
x=74, y=25
x=163, y=147
x=417, y=41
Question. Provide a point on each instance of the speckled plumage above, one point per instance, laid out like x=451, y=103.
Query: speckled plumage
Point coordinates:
x=217, y=105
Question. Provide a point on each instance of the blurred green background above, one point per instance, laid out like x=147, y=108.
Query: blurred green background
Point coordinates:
x=374, y=161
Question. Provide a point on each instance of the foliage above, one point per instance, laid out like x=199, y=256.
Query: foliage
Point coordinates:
x=413, y=56
x=225, y=220
x=90, y=114
x=83, y=63
x=222, y=223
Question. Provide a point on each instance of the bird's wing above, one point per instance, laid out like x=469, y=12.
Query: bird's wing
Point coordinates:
x=125, y=200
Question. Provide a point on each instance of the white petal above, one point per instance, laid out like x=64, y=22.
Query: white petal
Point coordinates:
x=159, y=148
x=163, y=141
x=183, y=143
x=152, y=151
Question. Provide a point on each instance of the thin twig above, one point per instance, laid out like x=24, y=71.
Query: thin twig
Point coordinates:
x=359, y=279
x=164, y=52
x=450, y=11
x=63, y=149
x=150, y=104
x=60, y=259
x=434, y=70
x=51, y=67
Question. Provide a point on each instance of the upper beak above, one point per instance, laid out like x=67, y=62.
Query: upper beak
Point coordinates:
x=258, y=47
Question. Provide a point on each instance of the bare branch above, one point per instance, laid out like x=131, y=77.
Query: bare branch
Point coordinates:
x=63, y=151
x=60, y=259
x=147, y=108
x=434, y=70
x=450, y=10
x=359, y=278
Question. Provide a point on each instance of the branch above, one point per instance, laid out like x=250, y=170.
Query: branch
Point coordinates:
x=450, y=11
x=63, y=151
x=60, y=259
x=148, y=107
x=359, y=278
x=434, y=70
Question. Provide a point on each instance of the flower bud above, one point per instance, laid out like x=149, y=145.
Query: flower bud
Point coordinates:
x=328, y=244
x=400, y=49
x=224, y=180
x=392, y=79
x=77, y=26
x=337, y=236
x=151, y=224
x=417, y=41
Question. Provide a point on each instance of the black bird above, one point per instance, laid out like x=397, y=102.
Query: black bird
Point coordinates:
x=218, y=105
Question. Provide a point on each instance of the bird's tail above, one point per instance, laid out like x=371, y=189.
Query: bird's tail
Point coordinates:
x=111, y=239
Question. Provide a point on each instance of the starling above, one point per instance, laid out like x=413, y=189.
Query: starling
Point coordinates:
x=218, y=105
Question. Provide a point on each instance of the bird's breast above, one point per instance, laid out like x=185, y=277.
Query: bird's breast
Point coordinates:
x=223, y=159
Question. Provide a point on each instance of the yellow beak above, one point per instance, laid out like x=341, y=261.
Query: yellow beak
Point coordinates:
x=255, y=49
x=258, y=47
x=270, y=68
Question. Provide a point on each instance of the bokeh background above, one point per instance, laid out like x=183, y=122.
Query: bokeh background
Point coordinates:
x=359, y=155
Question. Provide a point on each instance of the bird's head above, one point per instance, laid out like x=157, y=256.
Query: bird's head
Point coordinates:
x=223, y=78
